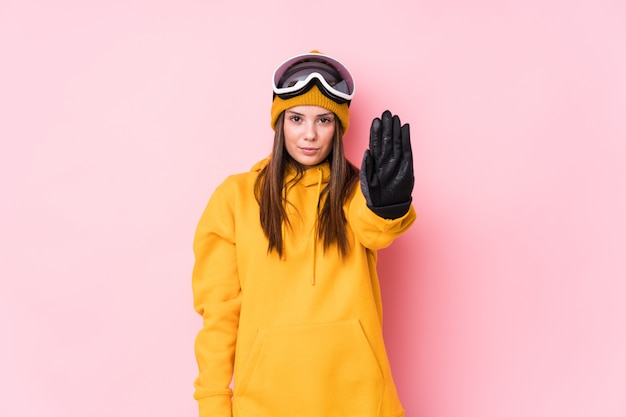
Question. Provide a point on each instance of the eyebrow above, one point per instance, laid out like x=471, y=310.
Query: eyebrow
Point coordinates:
x=317, y=115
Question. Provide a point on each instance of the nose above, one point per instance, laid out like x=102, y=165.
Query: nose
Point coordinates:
x=310, y=132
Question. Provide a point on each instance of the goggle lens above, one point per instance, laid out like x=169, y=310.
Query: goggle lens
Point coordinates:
x=299, y=73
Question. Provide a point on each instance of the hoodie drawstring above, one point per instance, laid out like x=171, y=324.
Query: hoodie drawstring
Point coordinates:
x=315, y=225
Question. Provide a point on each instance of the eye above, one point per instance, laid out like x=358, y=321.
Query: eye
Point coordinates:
x=295, y=118
x=326, y=120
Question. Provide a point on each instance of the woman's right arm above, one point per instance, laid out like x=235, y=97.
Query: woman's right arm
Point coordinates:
x=217, y=298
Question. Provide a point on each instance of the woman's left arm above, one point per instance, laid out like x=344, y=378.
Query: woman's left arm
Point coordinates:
x=382, y=210
x=387, y=169
x=373, y=231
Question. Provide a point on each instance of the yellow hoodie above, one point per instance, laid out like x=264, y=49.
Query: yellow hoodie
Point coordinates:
x=302, y=336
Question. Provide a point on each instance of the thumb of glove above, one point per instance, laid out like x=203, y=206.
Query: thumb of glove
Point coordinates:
x=367, y=168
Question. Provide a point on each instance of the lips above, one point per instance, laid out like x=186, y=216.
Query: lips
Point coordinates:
x=309, y=151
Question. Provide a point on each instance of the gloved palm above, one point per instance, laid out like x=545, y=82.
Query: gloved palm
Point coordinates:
x=387, y=169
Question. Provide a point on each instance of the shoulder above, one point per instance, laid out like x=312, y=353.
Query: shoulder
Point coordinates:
x=237, y=183
x=242, y=182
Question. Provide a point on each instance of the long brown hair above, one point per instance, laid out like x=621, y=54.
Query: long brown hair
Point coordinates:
x=270, y=191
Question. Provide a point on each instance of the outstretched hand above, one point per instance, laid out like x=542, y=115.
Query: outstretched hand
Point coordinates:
x=387, y=169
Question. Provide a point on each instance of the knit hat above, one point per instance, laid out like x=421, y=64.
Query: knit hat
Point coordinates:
x=312, y=97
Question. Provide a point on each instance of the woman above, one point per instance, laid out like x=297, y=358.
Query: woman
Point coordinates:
x=285, y=273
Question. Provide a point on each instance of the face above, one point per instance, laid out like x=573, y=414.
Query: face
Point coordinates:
x=309, y=132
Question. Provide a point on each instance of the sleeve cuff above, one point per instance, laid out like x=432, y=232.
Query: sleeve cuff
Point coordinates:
x=215, y=406
x=392, y=212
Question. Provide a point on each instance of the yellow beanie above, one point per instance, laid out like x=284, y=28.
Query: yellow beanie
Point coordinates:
x=313, y=97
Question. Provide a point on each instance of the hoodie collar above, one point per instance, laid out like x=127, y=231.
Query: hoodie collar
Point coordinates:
x=310, y=177
x=314, y=176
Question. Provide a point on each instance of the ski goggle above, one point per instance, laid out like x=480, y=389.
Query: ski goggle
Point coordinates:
x=299, y=74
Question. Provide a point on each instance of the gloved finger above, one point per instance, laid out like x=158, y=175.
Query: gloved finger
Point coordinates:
x=375, y=138
x=397, y=138
x=407, y=152
x=387, y=138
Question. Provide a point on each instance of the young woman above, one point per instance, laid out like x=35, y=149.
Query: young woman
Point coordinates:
x=285, y=272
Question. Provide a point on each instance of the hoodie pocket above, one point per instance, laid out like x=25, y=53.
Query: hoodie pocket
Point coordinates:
x=310, y=371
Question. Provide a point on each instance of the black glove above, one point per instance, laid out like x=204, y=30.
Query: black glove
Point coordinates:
x=387, y=169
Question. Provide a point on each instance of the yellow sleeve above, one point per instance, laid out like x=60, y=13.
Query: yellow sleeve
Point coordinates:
x=372, y=231
x=217, y=298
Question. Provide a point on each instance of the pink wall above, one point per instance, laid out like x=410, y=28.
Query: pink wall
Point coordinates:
x=117, y=120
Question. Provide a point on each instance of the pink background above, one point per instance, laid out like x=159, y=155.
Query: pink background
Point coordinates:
x=118, y=119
